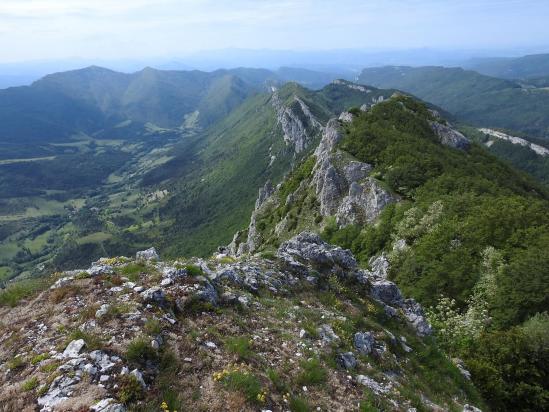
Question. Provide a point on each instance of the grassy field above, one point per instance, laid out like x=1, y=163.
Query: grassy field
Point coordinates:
x=42, y=207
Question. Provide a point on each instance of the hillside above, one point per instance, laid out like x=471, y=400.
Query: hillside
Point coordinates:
x=471, y=97
x=101, y=196
x=455, y=228
x=525, y=67
x=295, y=332
x=527, y=154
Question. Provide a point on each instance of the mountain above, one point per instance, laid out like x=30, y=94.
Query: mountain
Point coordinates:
x=213, y=191
x=110, y=193
x=472, y=97
x=223, y=334
x=389, y=263
x=526, y=67
x=524, y=153
x=458, y=230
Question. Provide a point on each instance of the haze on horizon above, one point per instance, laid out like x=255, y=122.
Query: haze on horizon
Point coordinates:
x=138, y=29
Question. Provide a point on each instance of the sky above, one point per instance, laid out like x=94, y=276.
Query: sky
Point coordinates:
x=108, y=29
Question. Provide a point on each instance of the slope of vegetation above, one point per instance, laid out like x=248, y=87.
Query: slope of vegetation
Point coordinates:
x=468, y=239
x=477, y=236
x=470, y=96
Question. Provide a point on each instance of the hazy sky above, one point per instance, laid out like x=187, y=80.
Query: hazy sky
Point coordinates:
x=38, y=29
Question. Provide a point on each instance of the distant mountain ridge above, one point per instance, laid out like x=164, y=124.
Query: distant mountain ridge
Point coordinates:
x=525, y=67
x=471, y=97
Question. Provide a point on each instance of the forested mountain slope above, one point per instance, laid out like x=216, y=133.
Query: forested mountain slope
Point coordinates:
x=454, y=227
x=473, y=98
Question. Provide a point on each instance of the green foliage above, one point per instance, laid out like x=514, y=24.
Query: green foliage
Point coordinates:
x=312, y=372
x=510, y=367
x=298, y=404
x=139, y=351
x=193, y=270
x=39, y=358
x=291, y=183
x=470, y=96
x=16, y=363
x=17, y=291
x=240, y=346
x=133, y=270
x=476, y=236
x=30, y=384
x=278, y=381
x=244, y=382
x=92, y=340
x=367, y=241
x=129, y=389
x=152, y=327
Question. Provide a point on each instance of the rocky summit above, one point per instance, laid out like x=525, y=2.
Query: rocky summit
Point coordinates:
x=305, y=328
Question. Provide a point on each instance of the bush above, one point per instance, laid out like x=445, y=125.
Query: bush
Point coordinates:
x=139, y=351
x=312, y=372
x=129, y=389
x=240, y=346
x=133, y=270
x=246, y=383
x=17, y=291
x=194, y=270
x=39, y=358
x=152, y=327
x=30, y=384
x=299, y=404
x=510, y=367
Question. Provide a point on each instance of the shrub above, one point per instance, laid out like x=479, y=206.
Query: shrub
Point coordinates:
x=39, y=358
x=140, y=351
x=312, y=372
x=129, y=389
x=152, y=327
x=277, y=380
x=17, y=291
x=240, y=346
x=16, y=363
x=133, y=270
x=299, y=404
x=194, y=270
x=30, y=384
x=246, y=383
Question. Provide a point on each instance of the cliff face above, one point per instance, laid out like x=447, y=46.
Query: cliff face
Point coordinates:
x=337, y=186
x=304, y=328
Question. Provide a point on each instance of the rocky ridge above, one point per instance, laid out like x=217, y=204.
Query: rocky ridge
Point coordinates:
x=97, y=339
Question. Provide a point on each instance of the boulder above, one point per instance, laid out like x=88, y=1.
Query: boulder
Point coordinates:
x=100, y=269
x=327, y=334
x=346, y=360
x=154, y=295
x=415, y=316
x=59, y=391
x=364, y=342
x=309, y=249
x=108, y=405
x=147, y=255
x=449, y=136
x=73, y=349
x=373, y=385
x=386, y=292
x=102, y=311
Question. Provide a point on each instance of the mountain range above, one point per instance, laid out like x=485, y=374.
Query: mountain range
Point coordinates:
x=361, y=189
